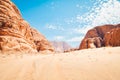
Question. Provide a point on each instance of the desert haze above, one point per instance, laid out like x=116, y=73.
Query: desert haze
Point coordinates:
x=90, y=64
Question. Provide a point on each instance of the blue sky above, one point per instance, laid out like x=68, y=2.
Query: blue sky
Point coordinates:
x=68, y=20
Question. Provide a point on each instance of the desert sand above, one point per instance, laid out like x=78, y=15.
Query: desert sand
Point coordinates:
x=89, y=64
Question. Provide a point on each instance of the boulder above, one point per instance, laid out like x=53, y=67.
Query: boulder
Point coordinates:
x=95, y=42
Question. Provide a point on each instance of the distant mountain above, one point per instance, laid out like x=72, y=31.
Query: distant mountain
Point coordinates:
x=60, y=46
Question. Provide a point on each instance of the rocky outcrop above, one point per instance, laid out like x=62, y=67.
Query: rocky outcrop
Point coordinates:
x=106, y=35
x=16, y=34
x=112, y=38
x=40, y=41
x=60, y=46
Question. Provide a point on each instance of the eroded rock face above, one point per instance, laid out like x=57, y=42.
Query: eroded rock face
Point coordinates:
x=40, y=41
x=91, y=43
x=16, y=33
x=112, y=38
x=106, y=35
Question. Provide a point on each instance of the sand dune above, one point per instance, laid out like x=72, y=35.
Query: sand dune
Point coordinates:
x=91, y=64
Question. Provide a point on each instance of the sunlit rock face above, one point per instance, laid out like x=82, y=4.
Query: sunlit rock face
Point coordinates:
x=41, y=42
x=112, y=38
x=100, y=36
x=16, y=34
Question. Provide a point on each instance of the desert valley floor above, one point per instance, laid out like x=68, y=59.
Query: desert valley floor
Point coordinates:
x=89, y=64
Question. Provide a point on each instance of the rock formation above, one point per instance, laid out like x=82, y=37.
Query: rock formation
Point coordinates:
x=16, y=34
x=112, y=38
x=60, y=46
x=100, y=36
x=40, y=41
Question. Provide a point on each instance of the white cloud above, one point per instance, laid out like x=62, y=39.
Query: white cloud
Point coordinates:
x=108, y=13
x=76, y=39
x=103, y=12
x=58, y=38
x=54, y=27
x=69, y=21
x=49, y=26
x=82, y=30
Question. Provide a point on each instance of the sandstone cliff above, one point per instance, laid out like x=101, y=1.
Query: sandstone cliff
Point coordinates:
x=100, y=36
x=16, y=34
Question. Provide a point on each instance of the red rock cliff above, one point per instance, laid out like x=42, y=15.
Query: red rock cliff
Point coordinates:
x=106, y=35
x=16, y=34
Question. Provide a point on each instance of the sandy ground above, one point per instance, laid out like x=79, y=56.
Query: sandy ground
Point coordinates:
x=91, y=64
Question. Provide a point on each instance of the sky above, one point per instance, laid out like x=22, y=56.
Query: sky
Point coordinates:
x=68, y=20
